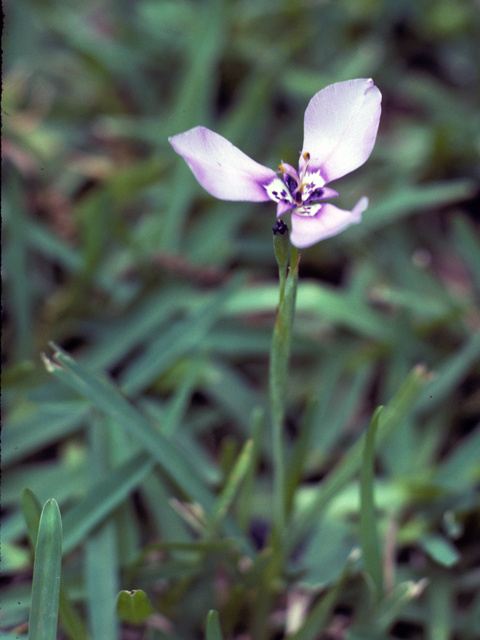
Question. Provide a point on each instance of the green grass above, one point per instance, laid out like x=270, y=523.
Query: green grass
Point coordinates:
x=148, y=425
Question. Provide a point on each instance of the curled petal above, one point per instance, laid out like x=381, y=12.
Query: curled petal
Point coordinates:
x=221, y=168
x=327, y=220
x=283, y=207
x=341, y=124
x=329, y=193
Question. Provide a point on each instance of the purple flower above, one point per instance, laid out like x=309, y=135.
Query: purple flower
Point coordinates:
x=340, y=128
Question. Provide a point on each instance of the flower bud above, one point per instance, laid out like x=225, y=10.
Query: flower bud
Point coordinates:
x=281, y=244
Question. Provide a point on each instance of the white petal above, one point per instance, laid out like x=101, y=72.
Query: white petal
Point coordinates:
x=277, y=191
x=340, y=128
x=327, y=221
x=221, y=168
x=284, y=207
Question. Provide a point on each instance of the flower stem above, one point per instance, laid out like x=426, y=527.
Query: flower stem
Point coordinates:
x=278, y=382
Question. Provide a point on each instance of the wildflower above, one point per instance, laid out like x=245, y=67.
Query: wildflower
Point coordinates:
x=340, y=128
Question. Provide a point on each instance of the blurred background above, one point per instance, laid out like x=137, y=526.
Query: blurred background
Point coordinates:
x=114, y=252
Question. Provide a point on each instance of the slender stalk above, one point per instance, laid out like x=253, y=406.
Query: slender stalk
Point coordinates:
x=278, y=378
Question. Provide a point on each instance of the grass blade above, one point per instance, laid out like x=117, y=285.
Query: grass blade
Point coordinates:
x=214, y=631
x=392, y=416
x=103, y=498
x=318, y=617
x=46, y=575
x=101, y=548
x=32, y=510
x=227, y=496
x=171, y=458
x=70, y=620
x=372, y=556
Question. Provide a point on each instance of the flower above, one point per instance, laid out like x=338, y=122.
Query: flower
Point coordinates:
x=340, y=128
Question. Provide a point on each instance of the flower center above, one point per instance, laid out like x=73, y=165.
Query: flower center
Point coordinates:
x=302, y=188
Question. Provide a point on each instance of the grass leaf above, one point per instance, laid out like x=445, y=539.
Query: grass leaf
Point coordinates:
x=46, y=575
x=371, y=549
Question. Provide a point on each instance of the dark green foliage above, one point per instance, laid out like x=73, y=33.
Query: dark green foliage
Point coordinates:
x=149, y=425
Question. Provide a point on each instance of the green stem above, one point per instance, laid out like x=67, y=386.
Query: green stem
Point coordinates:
x=278, y=382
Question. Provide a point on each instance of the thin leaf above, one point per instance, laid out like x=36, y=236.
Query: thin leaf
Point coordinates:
x=300, y=450
x=103, y=498
x=106, y=398
x=233, y=483
x=102, y=577
x=409, y=199
x=69, y=618
x=392, y=416
x=372, y=555
x=174, y=342
x=43, y=424
x=214, y=632
x=46, y=575
x=32, y=510
x=318, y=617
x=450, y=374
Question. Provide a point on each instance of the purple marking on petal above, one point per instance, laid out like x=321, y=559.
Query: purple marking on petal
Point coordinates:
x=340, y=128
x=276, y=190
x=329, y=193
x=316, y=194
x=311, y=182
x=327, y=222
x=321, y=194
x=221, y=168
